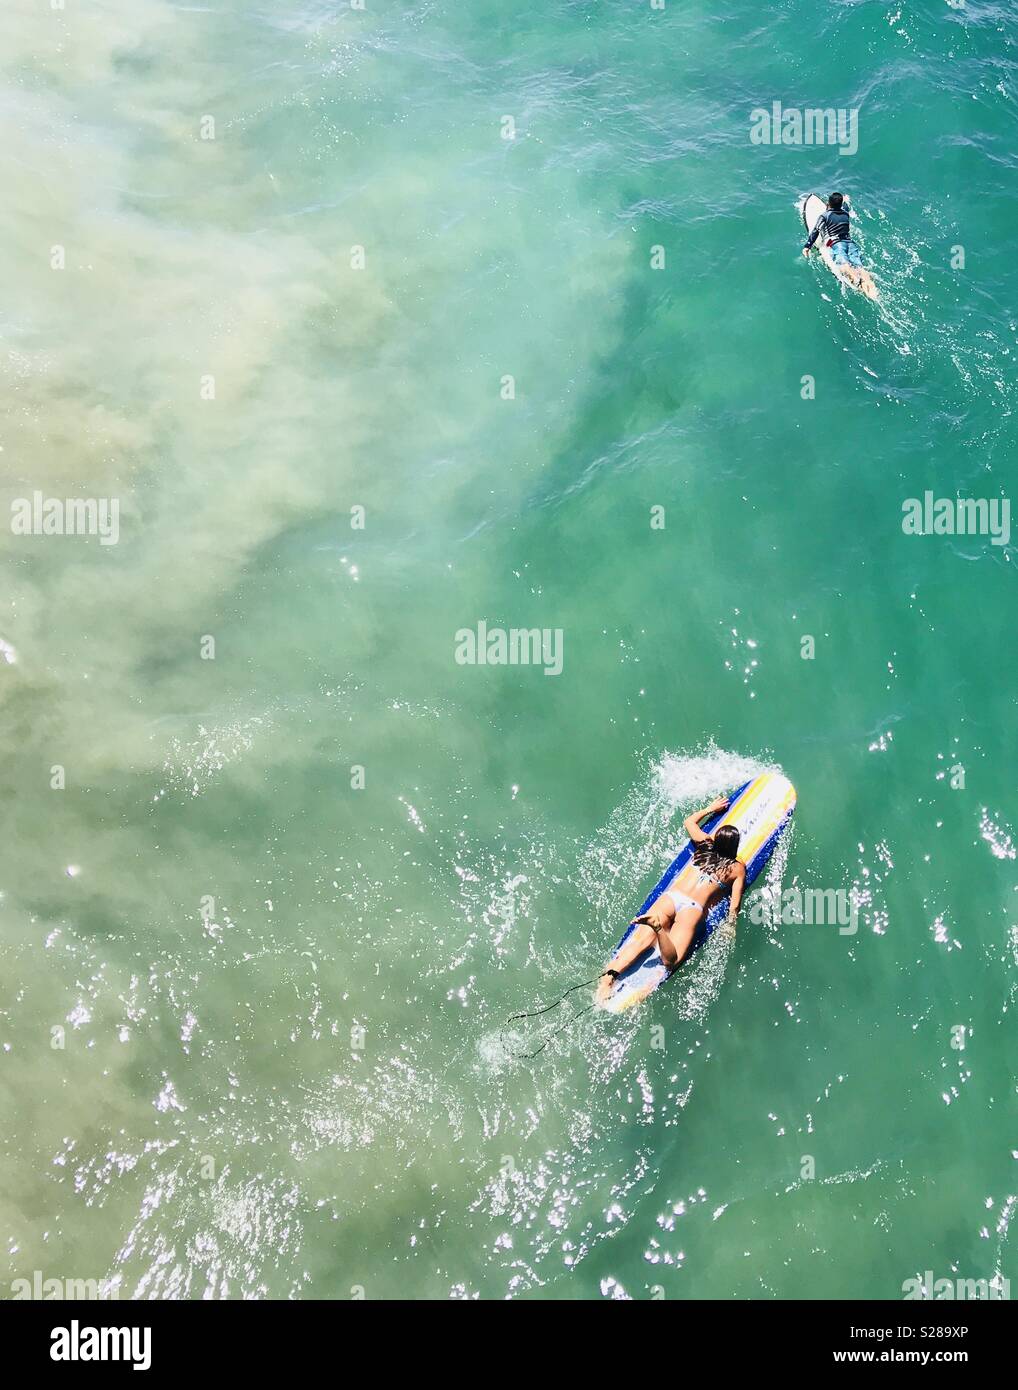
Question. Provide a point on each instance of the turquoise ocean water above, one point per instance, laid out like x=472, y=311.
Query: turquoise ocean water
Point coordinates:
x=252, y=1013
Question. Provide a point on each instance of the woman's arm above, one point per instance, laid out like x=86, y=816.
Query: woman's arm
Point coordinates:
x=738, y=888
x=691, y=824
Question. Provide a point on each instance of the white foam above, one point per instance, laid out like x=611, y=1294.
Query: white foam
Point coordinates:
x=645, y=831
x=699, y=776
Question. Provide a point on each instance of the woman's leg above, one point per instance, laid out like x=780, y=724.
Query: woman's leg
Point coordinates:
x=681, y=933
x=634, y=946
x=673, y=943
x=640, y=939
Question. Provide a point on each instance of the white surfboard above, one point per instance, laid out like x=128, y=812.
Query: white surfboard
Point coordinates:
x=811, y=208
x=762, y=810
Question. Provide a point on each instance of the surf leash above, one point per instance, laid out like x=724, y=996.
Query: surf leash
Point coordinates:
x=536, y=1013
x=525, y=1056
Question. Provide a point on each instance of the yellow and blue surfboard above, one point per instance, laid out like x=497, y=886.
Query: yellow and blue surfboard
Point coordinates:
x=762, y=810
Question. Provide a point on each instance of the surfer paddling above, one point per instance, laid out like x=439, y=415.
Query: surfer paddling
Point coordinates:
x=672, y=920
x=839, y=250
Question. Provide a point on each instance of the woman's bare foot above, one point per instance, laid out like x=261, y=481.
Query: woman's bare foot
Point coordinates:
x=605, y=985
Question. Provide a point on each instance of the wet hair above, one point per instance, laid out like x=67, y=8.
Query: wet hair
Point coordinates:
x=835, y=201
x=720, y=850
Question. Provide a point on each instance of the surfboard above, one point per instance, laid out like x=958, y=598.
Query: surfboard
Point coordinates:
x=762, y=810
x=811, y=209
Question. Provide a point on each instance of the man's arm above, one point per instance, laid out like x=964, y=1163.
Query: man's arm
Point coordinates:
x=821, y=223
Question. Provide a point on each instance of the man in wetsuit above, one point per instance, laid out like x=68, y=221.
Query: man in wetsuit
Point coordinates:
x=838, y=247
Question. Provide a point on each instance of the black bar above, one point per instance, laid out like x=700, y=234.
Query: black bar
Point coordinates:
x=256, y=1337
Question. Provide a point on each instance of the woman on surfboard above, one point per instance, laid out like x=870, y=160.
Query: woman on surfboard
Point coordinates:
x=839, y=249
x=672, y=921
